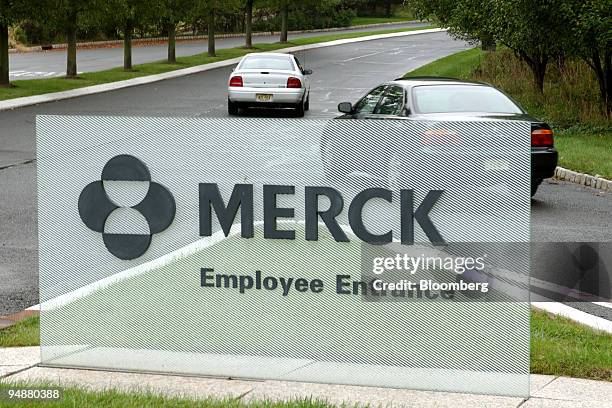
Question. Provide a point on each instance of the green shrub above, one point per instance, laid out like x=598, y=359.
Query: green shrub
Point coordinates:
x=570, y=89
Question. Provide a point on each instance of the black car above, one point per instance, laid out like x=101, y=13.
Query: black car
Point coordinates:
x=440, y=99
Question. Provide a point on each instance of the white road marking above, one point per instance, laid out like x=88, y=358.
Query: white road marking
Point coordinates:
x=383, y=63
x=604, y=304
x=370, y=54
x=171, y=257
x=36, y=74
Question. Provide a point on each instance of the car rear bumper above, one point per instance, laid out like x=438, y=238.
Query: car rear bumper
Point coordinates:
x=543, y=162
x=280, y=96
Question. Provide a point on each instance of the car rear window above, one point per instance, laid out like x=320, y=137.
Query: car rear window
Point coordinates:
x=267, y=62
x=461, y=98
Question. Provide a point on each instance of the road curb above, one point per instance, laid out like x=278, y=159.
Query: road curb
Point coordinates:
x=583, y=179
x=9, y=320
x=145, y=41
x=111, y=86
x=560, y=309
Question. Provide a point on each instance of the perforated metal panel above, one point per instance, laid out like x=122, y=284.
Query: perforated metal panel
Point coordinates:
x=136, y=288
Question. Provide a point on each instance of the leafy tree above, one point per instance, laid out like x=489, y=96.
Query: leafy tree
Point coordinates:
x=206, y=10
x=388, y=6
x=67, y=14
x=11, y=11
x=474, y=18
x=128, y=13
x=466, y=19
x=212, y=9
x=591, y=28
x=284, y=13
x=287, y=8
x=536, y=30
x=248, y=24
x=373, y=7
x=170, y=14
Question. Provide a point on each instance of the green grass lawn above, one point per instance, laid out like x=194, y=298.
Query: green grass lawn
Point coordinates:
x=563, y=347
x=583, y=134
x=111, y=398
x=459, y=65
x=558, y=346
x=379, y=20
x=587, y=149
x=31, y=87
x=24, y=333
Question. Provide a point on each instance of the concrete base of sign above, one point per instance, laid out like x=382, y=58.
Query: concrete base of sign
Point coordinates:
x=18, y=365
x=302, y=370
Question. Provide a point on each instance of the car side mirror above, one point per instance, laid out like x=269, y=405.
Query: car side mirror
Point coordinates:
x=307, y=72
x=345, y=107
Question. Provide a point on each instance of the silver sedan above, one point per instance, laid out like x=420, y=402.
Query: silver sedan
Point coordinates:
x=270, y=80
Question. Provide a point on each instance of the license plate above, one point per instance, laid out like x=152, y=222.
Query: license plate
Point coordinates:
x=263, y=97
x=496, y=165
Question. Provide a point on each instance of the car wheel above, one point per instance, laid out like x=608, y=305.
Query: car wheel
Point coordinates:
x=534, y=186
x=299, y=109
x=332, y=162
x=232, y=107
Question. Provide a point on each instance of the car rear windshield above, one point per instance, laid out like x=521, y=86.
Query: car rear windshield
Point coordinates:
x=461, y=98
x=267, y=62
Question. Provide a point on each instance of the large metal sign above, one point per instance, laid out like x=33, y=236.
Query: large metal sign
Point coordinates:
x=384, y=253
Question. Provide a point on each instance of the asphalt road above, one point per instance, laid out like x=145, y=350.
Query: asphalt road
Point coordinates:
x=561, y=211
x=53, y=63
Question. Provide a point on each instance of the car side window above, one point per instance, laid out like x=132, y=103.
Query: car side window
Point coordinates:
x=392, y=102
x=368, y=103
x=297, y=61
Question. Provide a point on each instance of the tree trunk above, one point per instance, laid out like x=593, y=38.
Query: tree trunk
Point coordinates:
x=284, y=22
x=249, y=24
x=4, y=56
x=603, y=73
x=127, y=45
x=71, y=36
x=608, y=81
x=538, y=64
x=211, y=33
x=539, y=71
x=171, y=43
x=388, y=8
x=487, y=43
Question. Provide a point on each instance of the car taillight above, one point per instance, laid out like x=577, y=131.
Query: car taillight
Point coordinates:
x=293, y=82
x=236, y=81
x=542, y=137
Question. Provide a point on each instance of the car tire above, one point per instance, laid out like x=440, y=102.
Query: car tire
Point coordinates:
x=307, y=104
x=299, y=110
x=232, y=108
x=534, y=186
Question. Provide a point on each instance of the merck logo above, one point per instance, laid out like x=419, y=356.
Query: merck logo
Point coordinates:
x=157, y=207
